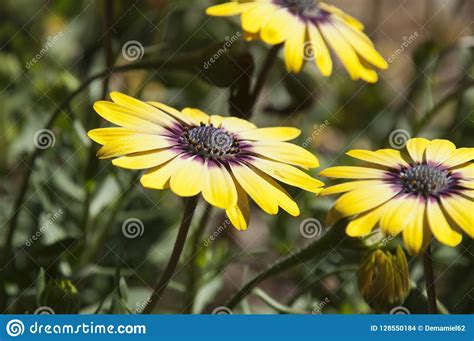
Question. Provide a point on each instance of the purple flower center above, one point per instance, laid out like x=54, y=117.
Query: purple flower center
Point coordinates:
x=307, y=9
x=424, y=179
x=210, y=142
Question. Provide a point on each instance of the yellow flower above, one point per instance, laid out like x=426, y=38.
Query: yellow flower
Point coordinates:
x=384, y=279
x=226, y=159
x=423, y=191
x=307, y=27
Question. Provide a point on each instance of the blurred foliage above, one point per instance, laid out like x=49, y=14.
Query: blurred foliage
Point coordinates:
x=73, y=225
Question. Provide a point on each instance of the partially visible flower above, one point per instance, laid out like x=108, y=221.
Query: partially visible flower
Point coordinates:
x=307, y=27
x=427, y=190
x=384, y=279
x=226, y=159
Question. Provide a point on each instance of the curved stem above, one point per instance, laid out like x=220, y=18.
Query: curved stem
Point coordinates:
x=429, y=280
x=192, y=285
x=272, y=303
x=333, y=239
x=189, y=209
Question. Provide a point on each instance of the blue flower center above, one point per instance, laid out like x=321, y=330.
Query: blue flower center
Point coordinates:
x=424, y=179
x=210, y=142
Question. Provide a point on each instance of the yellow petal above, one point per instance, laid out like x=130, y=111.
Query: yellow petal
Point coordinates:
x=321, y=52
x=254, y=17
x=239, y=214
x=349, y=186
x=285, y=201
x=226, y=9
x=196, y=116
x=216, y=120
x=157, y=178
x=416, y=148
x=466, y=184
x=142, y=109
x=461, y=210
x=219, y=188
x=236, y=125
x=133, y=144
x=144, y=160
x=342, y=48
x=350, y=20
x=398, y=214
x=127, y=117
x=276, y=29
x=385, y=157
x=270, y=134
x=288, y=174
x=351, y=172
x=363, y=199
x=438, y=151
x=362, y=45
x=439, y=225
x=413, y=232
x=465, y=171
x=172, y=112
x=459, y=156
x=256, y=188
x=188, y=179
x=286, y=152
x=106, y=135
x=364, y=223
x=294, y=46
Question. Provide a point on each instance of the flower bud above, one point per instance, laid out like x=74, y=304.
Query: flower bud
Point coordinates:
x=61, y=296
x=384, y=279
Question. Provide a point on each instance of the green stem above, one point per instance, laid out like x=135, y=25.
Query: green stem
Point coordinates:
x=428, y=116
x=429, y=280
x=263, y=75
x=189, y=209
x=333, y=239
x=271, y=302
x=192, y=285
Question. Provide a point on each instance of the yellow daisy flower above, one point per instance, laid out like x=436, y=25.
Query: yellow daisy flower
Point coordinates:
x=427, y=190
x=226, y=159
x=307, y=27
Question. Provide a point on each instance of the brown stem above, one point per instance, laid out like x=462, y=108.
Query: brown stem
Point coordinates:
x=175, y=254
x=429, y=280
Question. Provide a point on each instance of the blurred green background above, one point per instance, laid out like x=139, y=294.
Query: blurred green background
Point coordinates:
x=71, y=222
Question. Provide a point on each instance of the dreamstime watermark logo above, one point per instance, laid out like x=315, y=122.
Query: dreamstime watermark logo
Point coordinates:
x=221, y=311
x=400, y=310
x=51, y=41
x=133, y=50
x=133, y=228
x=216, y=233
x=221, y=139
x=51, y=218
x=229, y=41
x=319, y=306
x=311, y=228
x=407, y=41
x=310, y=51
x=15, y=328
x=317, y=129
x=398, y=138
x=44, y=139
x=140, y=306
x=44, y=310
